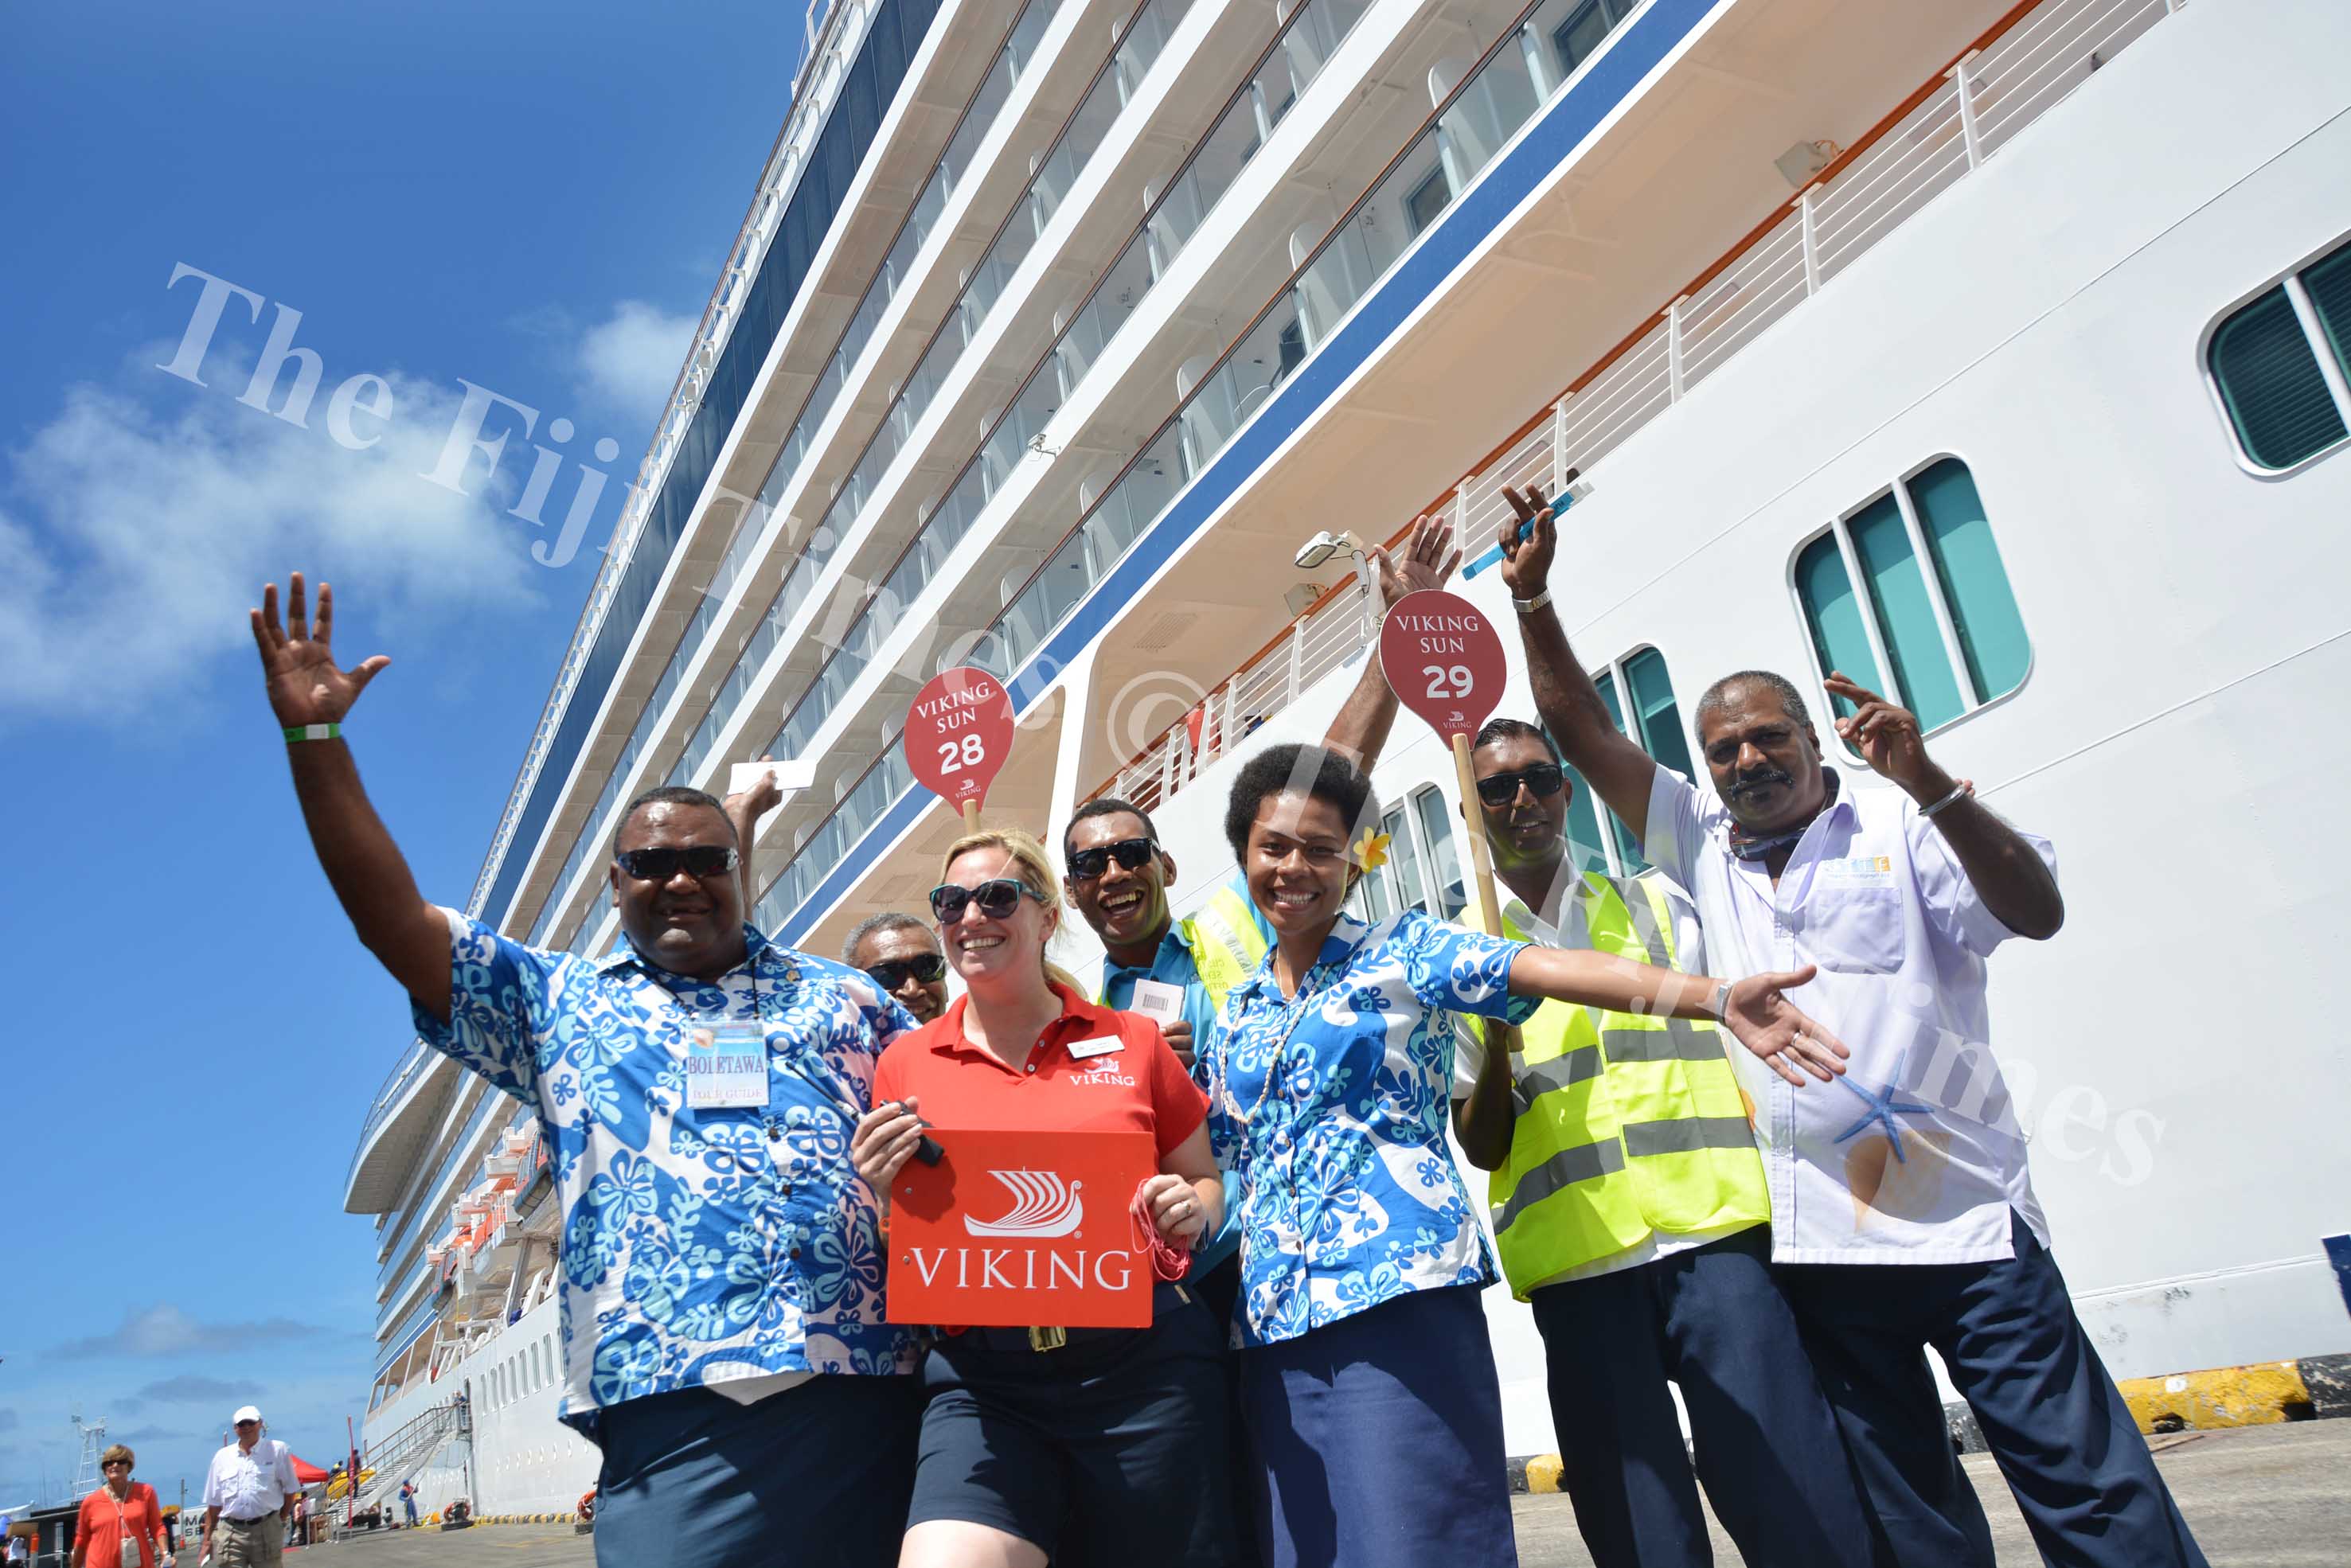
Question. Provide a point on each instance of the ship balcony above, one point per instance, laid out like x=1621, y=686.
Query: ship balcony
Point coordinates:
x=407, y=1112
x=1439, y=359
x=840, y=505
x=927, y=197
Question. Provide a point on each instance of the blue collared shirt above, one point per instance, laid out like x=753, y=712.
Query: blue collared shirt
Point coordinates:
x=1349, y=1196
x=699, y=1246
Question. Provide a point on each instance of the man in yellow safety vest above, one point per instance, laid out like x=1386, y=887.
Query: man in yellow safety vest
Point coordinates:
x=1630, y=1210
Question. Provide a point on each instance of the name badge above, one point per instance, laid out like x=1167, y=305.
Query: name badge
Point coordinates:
x=1158, y=1002
x=726, y=1065
x=1103, y=1046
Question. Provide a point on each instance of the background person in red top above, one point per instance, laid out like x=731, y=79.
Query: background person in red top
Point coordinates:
x=123, y=1510
x=1104, y=1447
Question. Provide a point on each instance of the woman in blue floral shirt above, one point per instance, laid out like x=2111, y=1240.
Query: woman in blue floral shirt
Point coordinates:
x=1367, y=1378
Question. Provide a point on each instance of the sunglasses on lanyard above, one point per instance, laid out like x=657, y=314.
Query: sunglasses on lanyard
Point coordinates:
x=996, y=898
x=659, y=865
x=927, y=967
x=1131, y=854
x=1544, y=779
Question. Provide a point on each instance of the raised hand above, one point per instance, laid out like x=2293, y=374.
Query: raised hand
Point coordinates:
x=1427, y=559
x=1767, y=1024
x=757, y=801
x=1526, y=563
x=1886, y=736
x=297, y=662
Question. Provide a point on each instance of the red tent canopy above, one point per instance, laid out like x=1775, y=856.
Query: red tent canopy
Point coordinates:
x=305, y=1471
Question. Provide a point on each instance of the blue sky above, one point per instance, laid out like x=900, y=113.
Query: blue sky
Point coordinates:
x=531, y=198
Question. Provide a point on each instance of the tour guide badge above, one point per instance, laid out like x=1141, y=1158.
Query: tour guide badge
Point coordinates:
x=1444, y=661
x=1012, y=1230
x=958, y=733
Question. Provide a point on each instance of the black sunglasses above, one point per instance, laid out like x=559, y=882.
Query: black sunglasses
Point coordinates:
x=1131, y=854
x=996, y=898
x=927, y=967
x=1544, y=779
x=659, y=865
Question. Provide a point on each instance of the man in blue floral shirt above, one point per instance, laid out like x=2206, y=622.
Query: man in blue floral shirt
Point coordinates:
x=722, y=1265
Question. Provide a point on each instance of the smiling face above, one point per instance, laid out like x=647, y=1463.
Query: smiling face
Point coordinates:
x=1530, y=834
x=688, y=924
x=1297, y=864
x=998, y=957
x=1765, y=762
x=906, y=945
x=1128, y=909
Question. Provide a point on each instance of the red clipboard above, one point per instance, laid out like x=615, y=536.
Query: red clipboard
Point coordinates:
x=1011, y=1229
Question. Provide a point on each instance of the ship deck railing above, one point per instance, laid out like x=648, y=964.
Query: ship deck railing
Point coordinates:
x=2017, y=70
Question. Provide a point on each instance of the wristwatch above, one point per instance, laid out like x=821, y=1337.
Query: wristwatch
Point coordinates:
x=1721, y=1006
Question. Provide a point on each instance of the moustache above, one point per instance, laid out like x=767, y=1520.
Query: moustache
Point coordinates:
x=1747, y=783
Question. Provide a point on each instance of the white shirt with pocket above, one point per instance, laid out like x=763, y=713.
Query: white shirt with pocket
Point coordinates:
x=248, y=1485
x=1915, y=1155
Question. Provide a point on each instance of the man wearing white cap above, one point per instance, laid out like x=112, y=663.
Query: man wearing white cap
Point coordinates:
x=249, y=1492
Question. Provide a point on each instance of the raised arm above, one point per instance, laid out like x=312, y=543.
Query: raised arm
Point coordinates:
x=1429, y=559
x=744, y=811
x=2008, y=875
x=307, y=691
x=1755, y=1010
x=1564, y=696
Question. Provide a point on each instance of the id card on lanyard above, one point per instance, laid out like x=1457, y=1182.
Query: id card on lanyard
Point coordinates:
x=725, y=1064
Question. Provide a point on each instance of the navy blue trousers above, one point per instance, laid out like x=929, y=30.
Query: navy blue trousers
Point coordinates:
x=1768, y=1447
x=1380, y=1438
x=817, y=1476
x=2006, y=1332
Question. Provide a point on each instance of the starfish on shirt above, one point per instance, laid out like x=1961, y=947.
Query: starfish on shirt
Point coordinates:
x=1883, y=1108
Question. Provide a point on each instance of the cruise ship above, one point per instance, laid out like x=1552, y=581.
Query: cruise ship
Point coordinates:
x=1994, y=352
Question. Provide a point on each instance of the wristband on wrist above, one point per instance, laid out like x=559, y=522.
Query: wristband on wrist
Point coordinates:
x=1963, y=788
x=295, y=732
x=1719, y=1005
x=1528, y=606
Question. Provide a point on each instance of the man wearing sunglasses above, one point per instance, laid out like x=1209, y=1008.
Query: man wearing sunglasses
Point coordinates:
x=904, y=958
x=722, y=1316
x=1903, y=1213
x=1630, y=1212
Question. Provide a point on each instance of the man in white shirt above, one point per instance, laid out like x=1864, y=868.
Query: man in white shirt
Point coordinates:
x=1902, y=1210
x=249, y=1491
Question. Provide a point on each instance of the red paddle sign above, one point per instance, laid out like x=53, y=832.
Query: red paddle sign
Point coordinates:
x=1010, y=1228
x=958, y=733
x=1443, y=660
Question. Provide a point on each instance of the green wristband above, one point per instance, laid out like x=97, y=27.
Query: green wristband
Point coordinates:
x=295, y=732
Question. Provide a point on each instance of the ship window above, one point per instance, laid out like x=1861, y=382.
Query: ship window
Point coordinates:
x=1423, y=870
x=1586, y=26
x=1426, y=200
x=2278, y=365
x=1657, y=728
x=1935, y=627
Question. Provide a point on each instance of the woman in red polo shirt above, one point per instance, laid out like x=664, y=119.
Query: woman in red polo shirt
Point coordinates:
x=1102, y=1446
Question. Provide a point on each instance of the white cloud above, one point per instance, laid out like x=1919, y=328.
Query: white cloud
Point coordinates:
x=139, y=535
x=631, y=359
x=165, y=1330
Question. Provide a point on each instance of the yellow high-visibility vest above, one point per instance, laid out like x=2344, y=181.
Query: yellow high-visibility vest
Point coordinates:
x=1224, y=940
x=1628, y=1125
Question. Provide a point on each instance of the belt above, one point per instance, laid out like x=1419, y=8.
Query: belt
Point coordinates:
x=1167, y=1296
x=246, y=1518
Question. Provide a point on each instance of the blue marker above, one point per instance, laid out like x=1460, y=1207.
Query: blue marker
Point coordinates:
x=1566, y=499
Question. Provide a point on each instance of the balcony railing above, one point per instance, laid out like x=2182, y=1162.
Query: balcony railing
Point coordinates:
x=2013, y=75
x=814, y=89
x=2025, y=65
x=979, y=115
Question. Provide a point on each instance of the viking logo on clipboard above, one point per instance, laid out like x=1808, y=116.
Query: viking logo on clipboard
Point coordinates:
x=1043, y=1204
